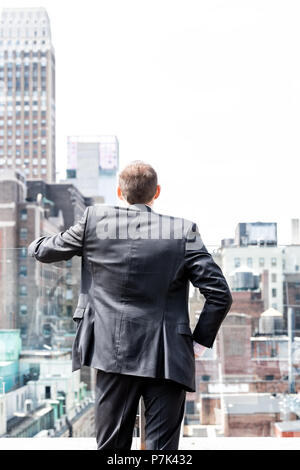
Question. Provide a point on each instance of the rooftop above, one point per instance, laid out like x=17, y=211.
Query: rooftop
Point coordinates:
x=289, y=425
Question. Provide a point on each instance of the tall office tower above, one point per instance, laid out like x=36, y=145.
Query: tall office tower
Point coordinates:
x=27, y=93
x=92, y=166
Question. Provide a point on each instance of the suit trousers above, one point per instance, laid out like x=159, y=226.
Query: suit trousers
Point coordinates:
x=117, y=399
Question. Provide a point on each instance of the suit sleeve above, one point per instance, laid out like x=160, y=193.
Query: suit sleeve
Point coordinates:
x=207, y=276
x=62, y=246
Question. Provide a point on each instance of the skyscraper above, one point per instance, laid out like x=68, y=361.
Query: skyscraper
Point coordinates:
x=27, y=93
x=92, y=166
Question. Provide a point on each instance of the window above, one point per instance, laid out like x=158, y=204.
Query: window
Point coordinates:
x=237, y=262
x=249, y=262
x=274, y=292
x=274, y=277
x=23, y=331
x=23, y=233
x=23, y=252
x=23, y=271
x=69, y=294
x=273, y=261
x=23, y=212
x=261, y=262
x=71, y=173
x=47, y=392
x=23, y=309
x=23, y=290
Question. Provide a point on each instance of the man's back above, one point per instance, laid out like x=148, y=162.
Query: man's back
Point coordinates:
x=132, y=311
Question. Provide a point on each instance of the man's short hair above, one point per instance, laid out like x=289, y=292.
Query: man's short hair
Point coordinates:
x=138, y=182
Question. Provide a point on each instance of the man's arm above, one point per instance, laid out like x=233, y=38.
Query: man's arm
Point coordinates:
x=62, y=246
x=205, y=274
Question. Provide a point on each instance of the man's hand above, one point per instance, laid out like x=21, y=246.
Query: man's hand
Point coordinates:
x=199, y=350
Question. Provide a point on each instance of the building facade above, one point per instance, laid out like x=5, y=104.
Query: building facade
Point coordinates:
x=93, y=163
x=27, y=93
x=37, y=298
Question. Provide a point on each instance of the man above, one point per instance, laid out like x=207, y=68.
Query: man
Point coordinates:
x=132, y=314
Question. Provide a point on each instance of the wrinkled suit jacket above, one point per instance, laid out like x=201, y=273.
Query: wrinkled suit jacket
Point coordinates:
x=132, y=313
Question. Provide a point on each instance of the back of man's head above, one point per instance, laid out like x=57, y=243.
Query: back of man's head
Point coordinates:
x=138, y=182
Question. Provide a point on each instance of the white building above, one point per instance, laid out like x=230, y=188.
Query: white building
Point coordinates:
x=292, y=259
x=258, y=259
x=55, y=379
x=93, y=163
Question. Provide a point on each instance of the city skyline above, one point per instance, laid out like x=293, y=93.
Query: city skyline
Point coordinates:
x=215, y=84
x=208, y=94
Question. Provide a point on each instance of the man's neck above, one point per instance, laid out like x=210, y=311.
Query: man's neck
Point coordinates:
x=144, y=203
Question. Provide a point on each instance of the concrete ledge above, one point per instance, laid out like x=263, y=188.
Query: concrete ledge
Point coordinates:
x=186, y=443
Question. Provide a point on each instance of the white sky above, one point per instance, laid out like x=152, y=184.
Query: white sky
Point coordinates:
x=208, y=92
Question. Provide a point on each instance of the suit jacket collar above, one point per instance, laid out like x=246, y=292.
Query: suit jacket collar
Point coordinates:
x=141, y=207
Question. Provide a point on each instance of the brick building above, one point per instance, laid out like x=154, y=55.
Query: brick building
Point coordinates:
x=37, y=298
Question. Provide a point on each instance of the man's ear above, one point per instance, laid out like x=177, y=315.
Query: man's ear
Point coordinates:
x=120, y=195
x=157, y=191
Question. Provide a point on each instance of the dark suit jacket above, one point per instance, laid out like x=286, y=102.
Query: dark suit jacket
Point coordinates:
x=132, y=313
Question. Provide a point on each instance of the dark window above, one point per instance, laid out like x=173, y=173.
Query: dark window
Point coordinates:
x=269, y=377
x=23, y=271
x=23, y=214
x=23, y=233
x=23, y=309
x=71, y=173
x=190, y=407
x=205, y=378
x=23, y=331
